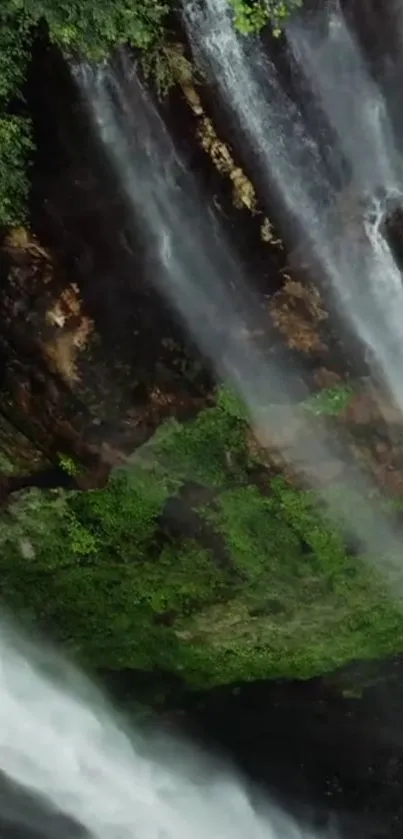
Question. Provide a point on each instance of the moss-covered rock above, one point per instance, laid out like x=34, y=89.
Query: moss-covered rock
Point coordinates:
x=184, y=563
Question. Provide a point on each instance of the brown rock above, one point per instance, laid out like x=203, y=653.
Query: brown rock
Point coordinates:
x=75, y=386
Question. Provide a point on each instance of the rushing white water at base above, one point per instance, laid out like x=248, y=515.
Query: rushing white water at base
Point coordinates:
x=60, y=740
x=338, y=228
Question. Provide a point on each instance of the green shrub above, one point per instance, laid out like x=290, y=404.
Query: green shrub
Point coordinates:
x=69, y=465
x=260, y=585
x=210, y=450
x=253, y=15
x=88, y=28
x=16, y=33
x=16, y=149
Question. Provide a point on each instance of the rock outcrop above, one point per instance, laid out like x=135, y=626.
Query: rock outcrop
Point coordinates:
x=71, y=387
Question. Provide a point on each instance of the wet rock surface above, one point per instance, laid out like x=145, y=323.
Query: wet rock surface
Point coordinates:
x=76, y=382
x=331, y=750
x=92, y=362
x=92, y=359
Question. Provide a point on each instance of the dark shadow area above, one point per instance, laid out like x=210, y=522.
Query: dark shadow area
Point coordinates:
x=392, y=230
x=318, y=748
x=24, y=816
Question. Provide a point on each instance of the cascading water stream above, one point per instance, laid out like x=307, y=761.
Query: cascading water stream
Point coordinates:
x=327, y=54
x=193, y=268
x=267, y=120
x=58, y=738
x=60, y=741
x=343, y=244
x=362, y=270
x=191, y=263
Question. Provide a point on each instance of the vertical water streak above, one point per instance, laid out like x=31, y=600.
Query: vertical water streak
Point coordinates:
x=339, y=233
x=327, y=53
x=266, y=118
x=363, y=272
x=194, y=270
x=190, y=261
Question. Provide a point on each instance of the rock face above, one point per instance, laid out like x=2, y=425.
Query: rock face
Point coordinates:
x=202, y=562
x=76, y=381
x=331, y=753
x=199, y=560
x=93, y=360
x=393, y=231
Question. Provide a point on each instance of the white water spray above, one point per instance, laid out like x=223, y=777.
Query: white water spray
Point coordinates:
x=327, y=54
x=339, y=231
x=195, y=271
x=267, y=120
x=60, y=741
x=58, y=738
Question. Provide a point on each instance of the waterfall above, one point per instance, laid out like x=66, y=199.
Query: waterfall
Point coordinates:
x=60, y=741
x=190, y=261
x=266, y=119
x=193, y=267
x=339, y=227
x=327, y=53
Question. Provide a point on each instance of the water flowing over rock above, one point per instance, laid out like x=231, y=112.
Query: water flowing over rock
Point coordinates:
x=246, y=231
x=93, y=385
x=346, y=249
x=196, y=272
x=111, y=781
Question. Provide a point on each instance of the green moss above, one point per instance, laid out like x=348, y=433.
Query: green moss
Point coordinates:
x=271, y=591
x=121, y=519
x=258, y=539
x=210, y=450
x=103, y=598
x=184, y=579
x=305, y=606
x=329, y=401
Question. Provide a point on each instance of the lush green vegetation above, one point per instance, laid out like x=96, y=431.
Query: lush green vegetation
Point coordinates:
x=184, y=563
x=89, y=29
x=252, y=16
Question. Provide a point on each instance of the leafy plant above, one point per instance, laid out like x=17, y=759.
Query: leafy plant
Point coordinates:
x=90, y=28
x=252, y=15
x=210, y=449
x=16, y=33
x=69, y=465
x=232, y=404
x=16, y=147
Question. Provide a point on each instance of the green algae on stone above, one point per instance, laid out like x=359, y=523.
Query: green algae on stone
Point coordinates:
x=105, y=574
x=329, y=401
x=210, y=449
x=305, y=606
